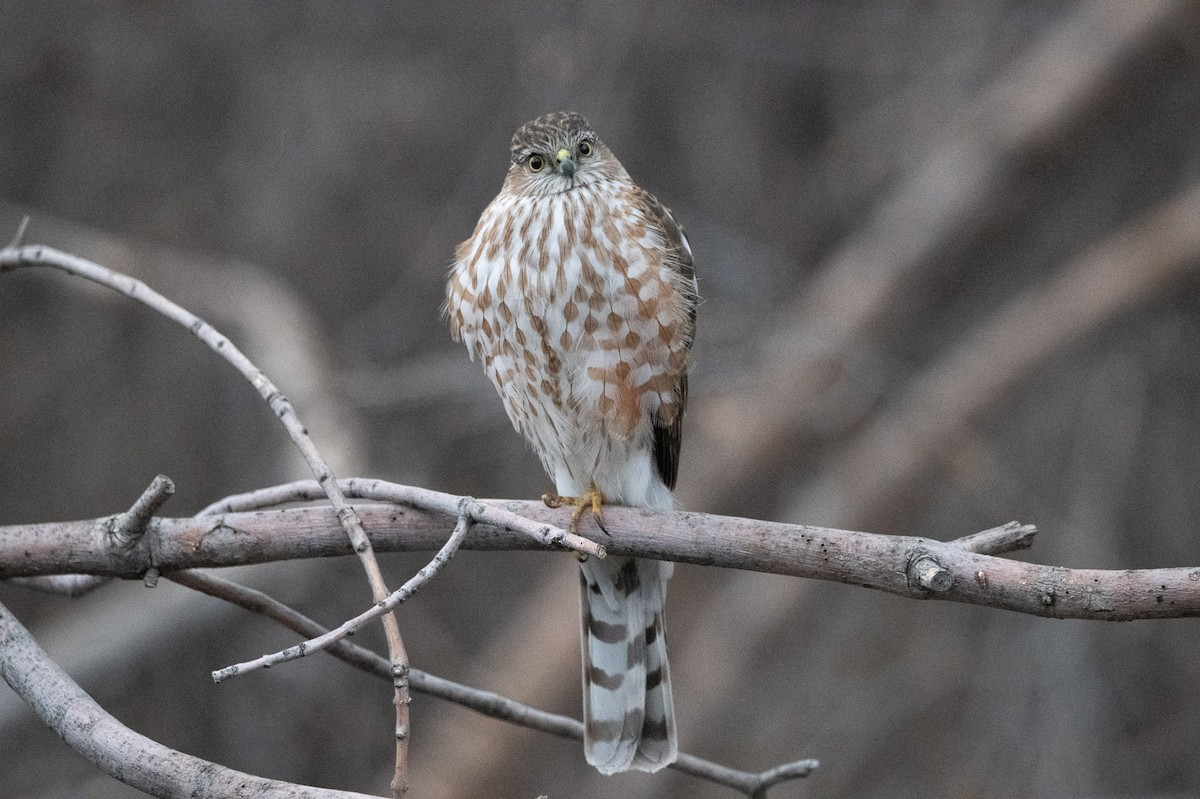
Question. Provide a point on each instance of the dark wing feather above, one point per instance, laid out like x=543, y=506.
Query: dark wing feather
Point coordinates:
x=668, y=436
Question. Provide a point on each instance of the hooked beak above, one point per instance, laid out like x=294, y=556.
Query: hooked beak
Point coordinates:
x=566, y=164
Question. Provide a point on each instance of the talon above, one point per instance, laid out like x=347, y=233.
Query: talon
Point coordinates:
x=581, y=505
x=592, y=500
x=597, y=501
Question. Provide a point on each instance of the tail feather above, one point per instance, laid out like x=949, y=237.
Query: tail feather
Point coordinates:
x=628, y=711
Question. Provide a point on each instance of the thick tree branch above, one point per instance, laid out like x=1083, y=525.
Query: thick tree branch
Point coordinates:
x=856, y=558
x=119, y=751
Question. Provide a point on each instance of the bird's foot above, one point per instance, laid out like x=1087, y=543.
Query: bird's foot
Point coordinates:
x=591, y=500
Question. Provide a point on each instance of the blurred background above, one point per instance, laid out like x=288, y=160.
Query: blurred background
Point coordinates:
x=949, y=259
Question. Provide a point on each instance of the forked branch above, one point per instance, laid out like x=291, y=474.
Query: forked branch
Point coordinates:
x=16, y=256
x=331, y=637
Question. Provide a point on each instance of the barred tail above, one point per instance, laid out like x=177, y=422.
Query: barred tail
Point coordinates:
x=628, y=713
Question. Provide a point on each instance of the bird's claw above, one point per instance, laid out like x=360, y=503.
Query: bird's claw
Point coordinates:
x=592, y=500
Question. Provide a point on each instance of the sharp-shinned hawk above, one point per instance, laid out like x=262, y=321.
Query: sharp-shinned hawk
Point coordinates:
x=577, y=293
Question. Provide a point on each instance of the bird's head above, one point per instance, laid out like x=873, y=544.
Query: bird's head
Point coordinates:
x=557, y=152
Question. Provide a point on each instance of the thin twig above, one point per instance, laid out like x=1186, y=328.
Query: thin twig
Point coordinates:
x=269, y=497
x=998, y=540
x=437, y=501
x=485, y=702
x=19, y=238
x=128, y=528
x=782, y=773
x=402, y=594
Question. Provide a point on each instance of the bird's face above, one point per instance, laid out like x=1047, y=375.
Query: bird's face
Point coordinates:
x=556, y=153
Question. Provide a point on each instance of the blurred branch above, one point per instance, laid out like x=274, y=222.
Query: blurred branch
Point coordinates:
x=119, y=751
x=884, y=462
x=486, y=702
x=274, y=322
x=1044, y=94
x=895, y=564
x=68, y=585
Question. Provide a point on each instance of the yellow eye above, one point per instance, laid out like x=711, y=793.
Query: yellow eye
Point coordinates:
x=536, y=162
x=585, y=147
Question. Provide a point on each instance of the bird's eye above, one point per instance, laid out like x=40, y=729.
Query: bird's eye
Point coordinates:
x=585, y=147
x=536, y=162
